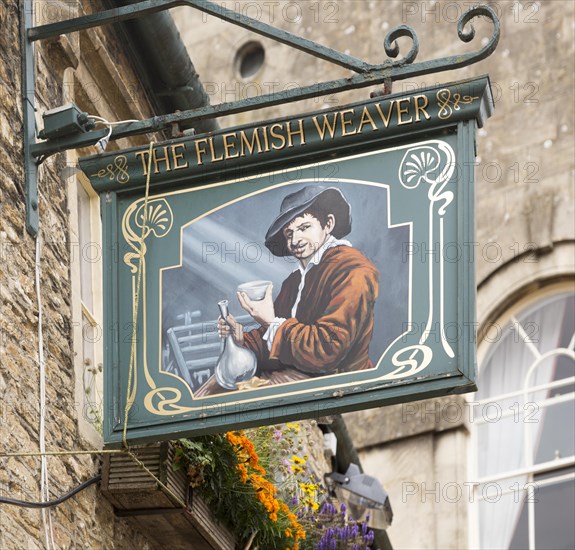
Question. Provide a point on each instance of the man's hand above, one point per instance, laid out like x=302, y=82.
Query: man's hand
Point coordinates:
x=231, y=326
x=261, y=310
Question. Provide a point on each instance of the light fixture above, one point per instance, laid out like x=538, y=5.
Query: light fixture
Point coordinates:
x=363, y=496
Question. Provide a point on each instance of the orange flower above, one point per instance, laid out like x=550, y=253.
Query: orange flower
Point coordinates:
x=243, y=473
x=245, y=450
x=251, y=471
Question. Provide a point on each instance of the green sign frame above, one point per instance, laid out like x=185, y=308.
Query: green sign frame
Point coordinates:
x=403, y=162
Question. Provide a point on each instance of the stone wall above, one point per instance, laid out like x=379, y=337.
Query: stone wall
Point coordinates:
x=87, y=520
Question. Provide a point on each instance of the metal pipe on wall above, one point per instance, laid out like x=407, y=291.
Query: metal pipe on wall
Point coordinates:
x=164, y=65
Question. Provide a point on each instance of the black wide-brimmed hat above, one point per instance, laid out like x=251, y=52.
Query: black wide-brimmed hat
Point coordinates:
x=296, y=203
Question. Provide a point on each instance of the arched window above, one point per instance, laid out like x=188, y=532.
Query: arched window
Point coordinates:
x=523, y=428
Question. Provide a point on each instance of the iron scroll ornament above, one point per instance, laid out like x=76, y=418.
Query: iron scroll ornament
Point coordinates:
x=445, y=63
x=392, y=47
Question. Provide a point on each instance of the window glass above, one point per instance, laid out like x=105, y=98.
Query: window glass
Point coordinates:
x=555, y=436
x=84, y=245
x=554, y=503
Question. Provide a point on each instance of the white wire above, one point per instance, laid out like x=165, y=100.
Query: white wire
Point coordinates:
x=44, y=480
x=102, y=144
x=108, y=123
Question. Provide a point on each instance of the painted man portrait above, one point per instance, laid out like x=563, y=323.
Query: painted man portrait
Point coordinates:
x=322, y=320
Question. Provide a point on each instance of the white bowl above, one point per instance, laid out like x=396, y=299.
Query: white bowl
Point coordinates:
x=255, y=290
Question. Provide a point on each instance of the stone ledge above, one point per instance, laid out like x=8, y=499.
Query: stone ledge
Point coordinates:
x=383, y=425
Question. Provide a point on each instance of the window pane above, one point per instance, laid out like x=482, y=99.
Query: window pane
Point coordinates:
x=504, y=369
x=563, y=364
x=85, y=236
x=91, y=374
x=500, y=512
x=89, y=337
x=563, y=369
x=554, y=513
x=554, y=436
x=499, y=443
x=559, y=310
x=568, y=322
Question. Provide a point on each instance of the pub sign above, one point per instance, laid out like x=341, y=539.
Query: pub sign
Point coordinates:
x=292, y=268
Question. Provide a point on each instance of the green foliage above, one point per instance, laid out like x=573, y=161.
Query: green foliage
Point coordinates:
x=260, y=487
x=214, y=461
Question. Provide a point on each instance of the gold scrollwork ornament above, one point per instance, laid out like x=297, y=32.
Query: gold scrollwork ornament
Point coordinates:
x=159, y=222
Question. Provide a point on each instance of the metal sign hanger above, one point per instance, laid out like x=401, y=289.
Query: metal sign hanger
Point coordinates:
x=365, y=74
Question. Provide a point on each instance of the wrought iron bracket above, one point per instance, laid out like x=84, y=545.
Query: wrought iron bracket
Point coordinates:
x=366, y=74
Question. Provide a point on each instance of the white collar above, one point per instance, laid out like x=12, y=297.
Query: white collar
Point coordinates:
x=330, y=242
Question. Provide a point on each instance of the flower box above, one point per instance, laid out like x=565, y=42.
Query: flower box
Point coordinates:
x=169, y=511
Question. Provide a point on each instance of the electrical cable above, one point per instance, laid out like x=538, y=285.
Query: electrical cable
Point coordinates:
x=102, y=143
x=56, y=501
x=44, y=478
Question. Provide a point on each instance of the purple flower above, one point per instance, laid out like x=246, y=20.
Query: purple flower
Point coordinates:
x=333, y=544
x=277, y=435
x=354, y=530
x=343, y=508
x=294, y=500
x=364, y=528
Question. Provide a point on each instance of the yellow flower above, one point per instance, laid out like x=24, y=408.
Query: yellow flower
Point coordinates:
x=308, y=488
x=297, y=460
x=311, y=503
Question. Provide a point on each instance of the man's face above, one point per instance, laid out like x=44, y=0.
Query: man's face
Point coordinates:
x=304, y=235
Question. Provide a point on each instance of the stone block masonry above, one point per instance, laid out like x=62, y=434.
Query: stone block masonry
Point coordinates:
x=87, y=520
